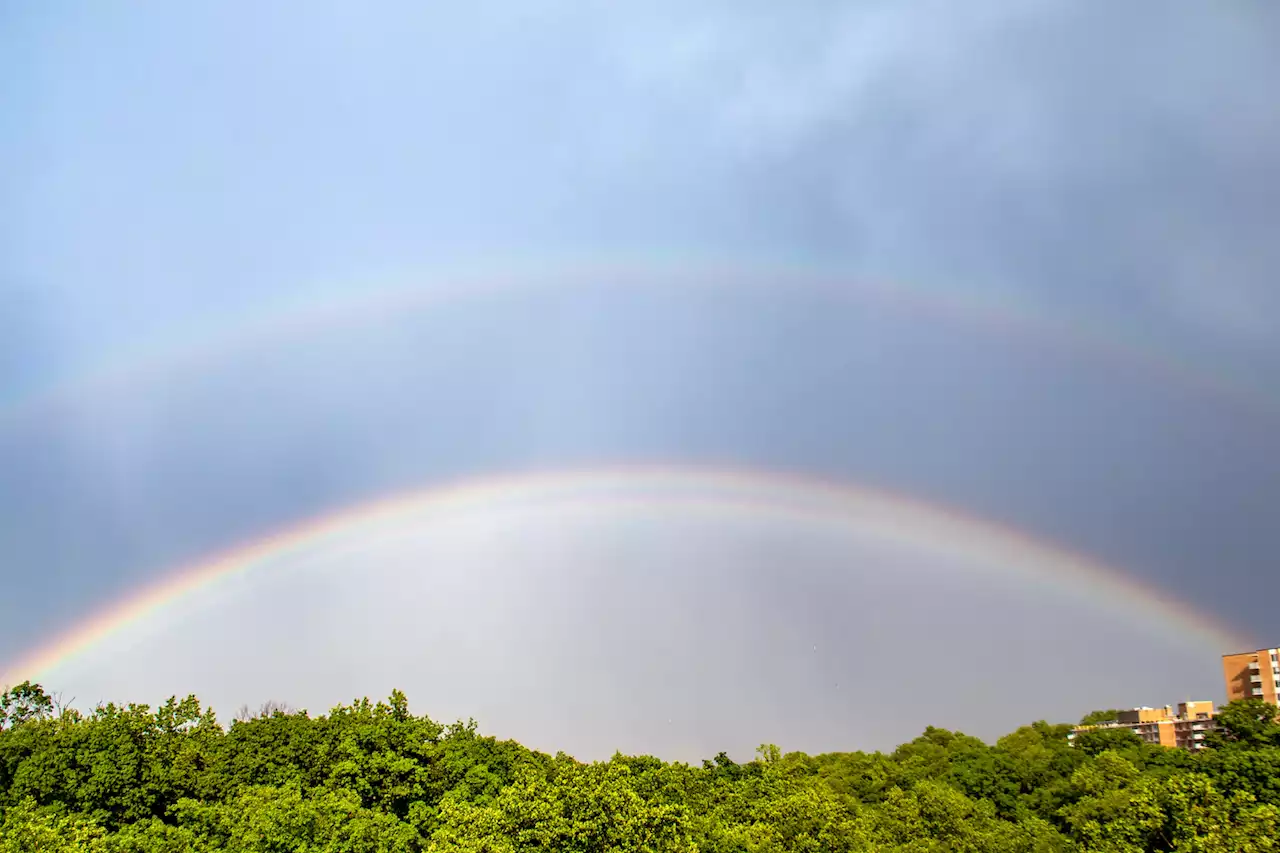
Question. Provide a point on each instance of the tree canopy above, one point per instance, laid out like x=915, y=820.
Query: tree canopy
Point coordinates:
x=371, y=777
x=1093, y=718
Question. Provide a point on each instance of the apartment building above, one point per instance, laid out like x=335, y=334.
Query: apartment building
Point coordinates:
x=1252, y=675
x=1180, y=728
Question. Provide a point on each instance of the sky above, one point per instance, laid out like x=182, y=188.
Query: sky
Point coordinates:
x=1018, y=258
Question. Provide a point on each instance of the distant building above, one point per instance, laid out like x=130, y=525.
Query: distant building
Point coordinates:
x=1184, y=728
x=1252, y=675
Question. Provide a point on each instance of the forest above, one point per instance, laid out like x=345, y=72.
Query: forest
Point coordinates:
x=371, y=777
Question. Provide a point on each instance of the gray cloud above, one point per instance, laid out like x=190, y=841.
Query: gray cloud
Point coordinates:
x=1117, y=165
x=1125, y=160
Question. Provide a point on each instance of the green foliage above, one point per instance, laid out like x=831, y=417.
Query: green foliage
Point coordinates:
x=1098, y=741
x=26, y=828
x=23, y=704
x=1254, y=771
x=370, y=777
x=579, y=808
x=1094, y=718
x=1250, y=723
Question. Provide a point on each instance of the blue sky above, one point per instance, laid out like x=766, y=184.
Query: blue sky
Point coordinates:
x=176, y=171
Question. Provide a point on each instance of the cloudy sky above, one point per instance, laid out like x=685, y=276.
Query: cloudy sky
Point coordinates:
x=262, y=264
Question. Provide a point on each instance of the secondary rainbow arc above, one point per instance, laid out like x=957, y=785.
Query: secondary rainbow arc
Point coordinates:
x=340, y=306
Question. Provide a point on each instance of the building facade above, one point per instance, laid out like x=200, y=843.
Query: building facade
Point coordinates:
x=1183, y=728
x=1252, y=675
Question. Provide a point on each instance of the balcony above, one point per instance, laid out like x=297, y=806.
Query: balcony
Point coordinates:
x=1253, y=665
x=1257, y=691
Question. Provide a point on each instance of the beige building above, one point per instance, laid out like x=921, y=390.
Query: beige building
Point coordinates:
x=1252, y=675
x=1183, y=728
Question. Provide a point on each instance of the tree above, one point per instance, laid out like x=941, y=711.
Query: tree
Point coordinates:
x=1256, y=771
x=1097, y=741
x=581, y=809
x=24, y=703
x=270, y=708
x=1093, y=718
x=371, y=777
x=768, y=753
x=1245, y=722
x=934, y=816
x=1203, y=819
x=25, y=828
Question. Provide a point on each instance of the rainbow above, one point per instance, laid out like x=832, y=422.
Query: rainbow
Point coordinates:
x=345, y=304
x=742, y=493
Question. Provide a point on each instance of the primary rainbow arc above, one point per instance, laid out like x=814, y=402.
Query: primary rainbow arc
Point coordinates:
x=872, y=511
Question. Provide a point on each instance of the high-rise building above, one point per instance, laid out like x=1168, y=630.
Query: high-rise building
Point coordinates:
x=1252, y=675
x=1184, y=728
